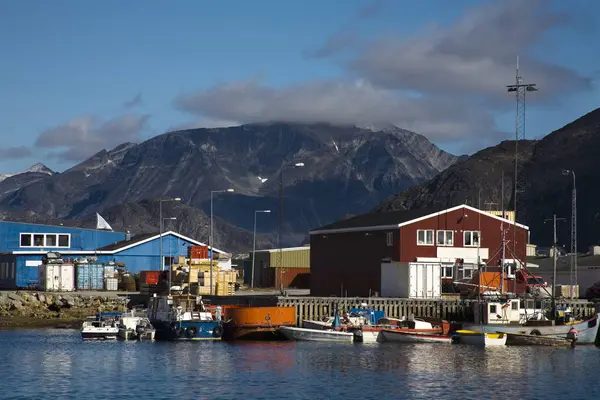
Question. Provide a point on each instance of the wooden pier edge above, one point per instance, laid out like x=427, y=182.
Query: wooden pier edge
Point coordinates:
x=314, y=308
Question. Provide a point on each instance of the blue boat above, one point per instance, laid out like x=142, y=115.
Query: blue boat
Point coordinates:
x=178, y=318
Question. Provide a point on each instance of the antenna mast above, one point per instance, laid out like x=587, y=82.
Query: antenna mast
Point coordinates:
x=520, y=89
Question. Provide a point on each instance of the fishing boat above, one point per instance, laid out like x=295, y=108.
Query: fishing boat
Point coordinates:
x=183, y=318
x=522, y=316
x=102, y=326
x=135, y=325
x=482, y=339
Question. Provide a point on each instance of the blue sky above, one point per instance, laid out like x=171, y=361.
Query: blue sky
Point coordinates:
x=77, y=77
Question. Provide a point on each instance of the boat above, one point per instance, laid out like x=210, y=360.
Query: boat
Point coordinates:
x=256, y=323
x=102, y=326
x=334, y=334
x=522, y=316
x=135, y=325
x=403, y=336
x=183, y=318
x=483, y=339
x=316, y=335
x=410, y=325
x=517, y=339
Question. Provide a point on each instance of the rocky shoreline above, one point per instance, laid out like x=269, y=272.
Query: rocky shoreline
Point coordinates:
x=31, y=309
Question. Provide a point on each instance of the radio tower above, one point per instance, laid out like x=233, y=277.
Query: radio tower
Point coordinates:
x=520, y=89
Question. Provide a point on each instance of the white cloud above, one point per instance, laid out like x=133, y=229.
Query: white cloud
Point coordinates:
x=357, y=103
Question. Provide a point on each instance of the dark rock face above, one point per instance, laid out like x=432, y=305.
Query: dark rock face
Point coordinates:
x=347, y=170
x=547, y=190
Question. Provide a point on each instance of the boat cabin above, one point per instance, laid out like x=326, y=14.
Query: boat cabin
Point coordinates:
x=517, y=311
x=178, y=308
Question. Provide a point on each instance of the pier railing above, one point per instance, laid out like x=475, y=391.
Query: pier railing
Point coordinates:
x=315, y=308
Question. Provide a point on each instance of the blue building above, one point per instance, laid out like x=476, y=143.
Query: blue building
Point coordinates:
x=142, y=251
x=23, y=245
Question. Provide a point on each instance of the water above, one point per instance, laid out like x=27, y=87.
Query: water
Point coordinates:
x=56, y=364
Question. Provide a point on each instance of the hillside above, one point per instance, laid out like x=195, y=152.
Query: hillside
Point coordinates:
x=547, y=190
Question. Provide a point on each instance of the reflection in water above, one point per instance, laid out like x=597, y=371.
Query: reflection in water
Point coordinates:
x=58, y=365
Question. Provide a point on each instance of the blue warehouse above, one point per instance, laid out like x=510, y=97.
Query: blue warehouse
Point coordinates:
x=23, y=245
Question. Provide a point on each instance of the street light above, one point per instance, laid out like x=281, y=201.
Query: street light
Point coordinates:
x=573, y=277
x=160, y=223
x=280, y=255
x=170, y=255
x=254, y=245
x=210, y=237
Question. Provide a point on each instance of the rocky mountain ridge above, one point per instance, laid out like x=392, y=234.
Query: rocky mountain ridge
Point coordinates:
x=347, y=170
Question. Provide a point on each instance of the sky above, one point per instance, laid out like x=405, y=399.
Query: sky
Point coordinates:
x=77, y=77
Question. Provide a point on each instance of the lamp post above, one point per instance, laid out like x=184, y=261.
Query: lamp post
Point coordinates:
x=254, y=245
x=279, y=230
x=210, y=237
x=160, y=223
x=170, y=257
x=573, y=282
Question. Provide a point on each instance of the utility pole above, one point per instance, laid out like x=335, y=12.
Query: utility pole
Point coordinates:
x=573, y=255
x=554, y=257
x=520, y=89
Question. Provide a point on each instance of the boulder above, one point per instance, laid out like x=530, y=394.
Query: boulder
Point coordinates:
x=14, y=297
x=41, y=297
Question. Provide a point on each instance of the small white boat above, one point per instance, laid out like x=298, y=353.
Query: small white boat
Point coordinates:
x=327, y=322
x=482, y=339
x=398, y=335
x=316, y=335
x=135, y=326
x=101, y=327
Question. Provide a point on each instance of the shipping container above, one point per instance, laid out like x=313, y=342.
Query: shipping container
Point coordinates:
x=90, y=276
x=150, y=277
x=111, y=284
x=413, y=280
x=198, y=252
x=56, y=277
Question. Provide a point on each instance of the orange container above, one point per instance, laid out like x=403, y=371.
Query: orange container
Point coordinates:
x=149, y=277
x=198, y=252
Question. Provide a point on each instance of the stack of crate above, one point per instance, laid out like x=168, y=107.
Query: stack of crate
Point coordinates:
x=226, y=283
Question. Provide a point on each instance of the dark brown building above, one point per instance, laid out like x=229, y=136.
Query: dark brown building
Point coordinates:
x=346, y=256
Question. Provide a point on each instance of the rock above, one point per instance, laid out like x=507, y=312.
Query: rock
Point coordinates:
x=49, y=299
x=14, y=297
x=16, y=305
x=41, y=297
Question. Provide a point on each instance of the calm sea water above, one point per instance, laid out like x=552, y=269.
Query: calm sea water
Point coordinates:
x=56, y=364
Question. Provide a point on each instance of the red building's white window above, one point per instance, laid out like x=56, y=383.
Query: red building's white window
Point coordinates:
x=445, y=238
x=425, y=237
x=471, y=238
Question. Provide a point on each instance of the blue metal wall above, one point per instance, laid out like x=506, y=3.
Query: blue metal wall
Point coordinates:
x=146, y=256
x=81, y=239
x=21, y=276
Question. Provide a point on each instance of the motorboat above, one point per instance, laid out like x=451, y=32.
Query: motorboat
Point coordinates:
x=184, y=318
x=102, y=326
x=481, y=339
x=335, y=333
x=135, y=325
x=517, y=339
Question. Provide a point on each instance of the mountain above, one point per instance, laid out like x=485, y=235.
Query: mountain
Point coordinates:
x=36, y=169
x=547, y=190
x=347, y=170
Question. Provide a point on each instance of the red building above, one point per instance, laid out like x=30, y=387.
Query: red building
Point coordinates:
x=346, y=256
